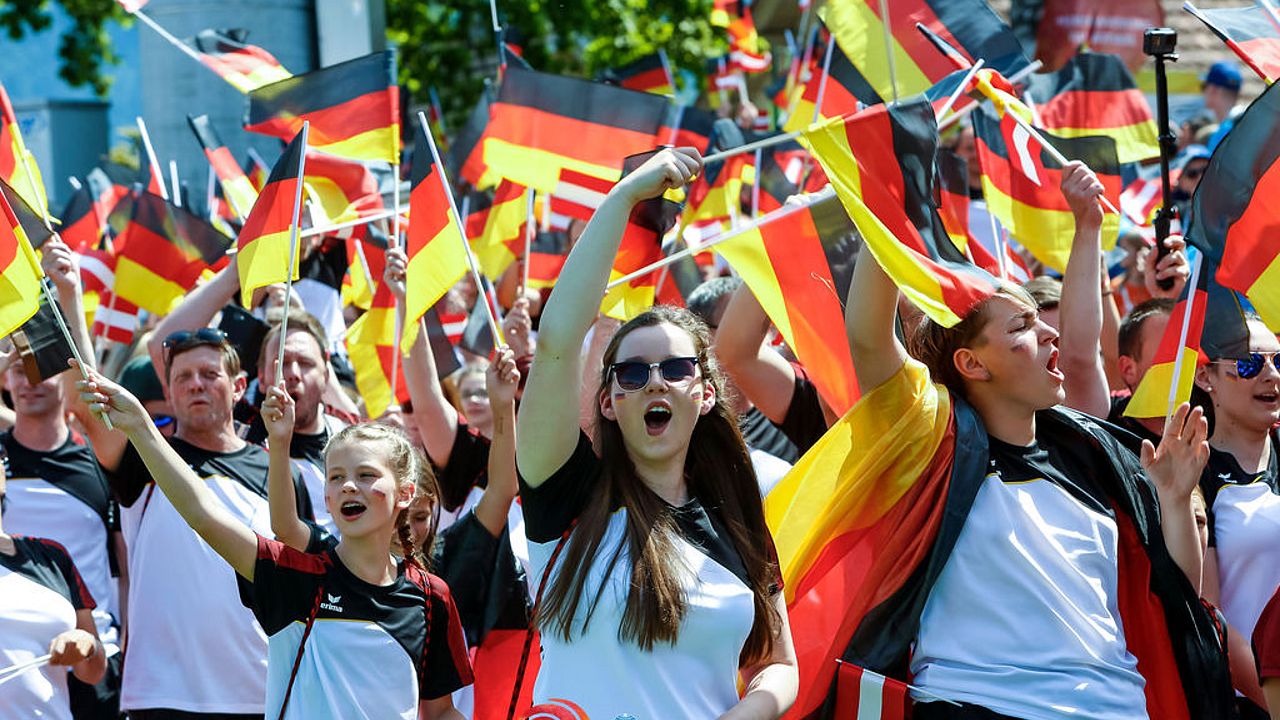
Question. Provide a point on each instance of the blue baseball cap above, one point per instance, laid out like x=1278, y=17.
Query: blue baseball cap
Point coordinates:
x=1223, y=74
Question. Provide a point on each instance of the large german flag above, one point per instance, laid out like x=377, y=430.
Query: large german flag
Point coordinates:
x=353, y=107
x=542, y=123
x=1021, y=183
x=970, y=26
x=844, y=88
x=1094, y=94
x=236, y=188
x=12, y=153
x=20, y=273
x=799, y=266
x=496, y=230
x=1249, y=32
x=437, y=256
x=1234, y=215
x=162, y=252
x=263, y=244
x=466, y=152
x=246, y=67
x=880, y=163
x=371, y=344
x=342, y=190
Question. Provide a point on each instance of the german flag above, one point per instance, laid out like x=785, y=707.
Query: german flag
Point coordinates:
x=969, y=26
x=366, y=262
x=162, y=253
x=687, y=126
x=775, y=181
x=1021, y=182
x=246, y=67
x=880, y=163
x=542, y=123
x=746, y=53
x=12, y=154
x=32, y=223
x=651, y=74
x=799, y=266
x=20, y=273
x=952, y=173
x=371, y=345
x=717, y=193
x=544, y=269
x=342, y=190
x=466, y=152
x=437, y=256
x=1094, y=94
x=1250, y=33
x=497, y=231
x=640, y=248
x=263, y=245
x=236, y=188
x=844, y=89
x=256, y=170
x=353, y=107
x=82, y=226
x=1181, y=339
x=1233, y=212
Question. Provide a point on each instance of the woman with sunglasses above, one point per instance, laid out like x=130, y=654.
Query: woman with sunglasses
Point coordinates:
x=657, y=584
x=1242, y=567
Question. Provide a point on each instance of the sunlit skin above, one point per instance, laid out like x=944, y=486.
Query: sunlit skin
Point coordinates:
x=474, y=398
x=36, y=401
x=420, y=516
x=201, y=392
x=1244, y=407
x=653, y=445
x=305, y=372
x=361, y=492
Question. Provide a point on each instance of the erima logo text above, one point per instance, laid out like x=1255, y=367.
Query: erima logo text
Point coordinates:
x=332, y=605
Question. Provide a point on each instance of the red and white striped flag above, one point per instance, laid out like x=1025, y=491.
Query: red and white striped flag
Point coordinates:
x=577, y=195
x=97, y=270
x=115, y=319
x=1140, y=199
x=454, y=323
x=865, y=695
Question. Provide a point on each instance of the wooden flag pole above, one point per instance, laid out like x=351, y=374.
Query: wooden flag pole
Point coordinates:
x=312, y=232
x=1019, y=76
x=1055, y=154
x=293, y=252
x=173, y=183
x=729, y=235
x=755, y=185
x=152, y=162
x=752, y=146
x=822, y=83
x=399, y=321
x=964, y=83
x=996, y=243
x=211, y=195
x=1193, y=283
x=888, y=47
x=530, y=228
x=462, y=230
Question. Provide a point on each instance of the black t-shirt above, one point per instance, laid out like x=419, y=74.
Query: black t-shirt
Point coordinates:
x=488, y=583
x=761, y=434
x=468, y=467
x=1043, y=459
x=48, y=563
x=1116, y=416
x=805, y=421
x=247, y=466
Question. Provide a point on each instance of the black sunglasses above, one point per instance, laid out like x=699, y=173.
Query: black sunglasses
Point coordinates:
x=633, y=375
x=186, y=339
x=1249, y=368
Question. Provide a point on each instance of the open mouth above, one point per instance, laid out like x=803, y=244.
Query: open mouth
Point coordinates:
x=351, y=510
x=1270, y=397
x=656, y=418
x=1052, y=366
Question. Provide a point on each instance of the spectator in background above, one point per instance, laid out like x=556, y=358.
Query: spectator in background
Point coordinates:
x=1220, y=87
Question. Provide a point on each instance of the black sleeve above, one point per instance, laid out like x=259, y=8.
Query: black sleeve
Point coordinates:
x=468, y=465
x=130, y=477
x=284, y=585
x=551, y=508
x=805, y=421
x=447, y=667
x=464, y=558
x=56, y=556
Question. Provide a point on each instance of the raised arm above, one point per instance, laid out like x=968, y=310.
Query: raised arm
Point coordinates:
x=549, y=416
x=764, y=376
x=192, y=498
x=437, y=418
x=1174, y=468
x=869, y=315
x=278, y=416
x=195, y=311
x=1081, y=307
x=502, y=379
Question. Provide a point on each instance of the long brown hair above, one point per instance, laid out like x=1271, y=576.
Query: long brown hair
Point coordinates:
x=720, y=475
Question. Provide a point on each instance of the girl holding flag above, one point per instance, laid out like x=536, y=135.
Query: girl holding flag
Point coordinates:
x=657, y=583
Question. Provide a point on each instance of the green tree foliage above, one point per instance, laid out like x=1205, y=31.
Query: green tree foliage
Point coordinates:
x=84, y=49
x=451, y=45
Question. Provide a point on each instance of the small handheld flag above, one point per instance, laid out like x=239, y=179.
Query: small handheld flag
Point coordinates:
x=267, y=245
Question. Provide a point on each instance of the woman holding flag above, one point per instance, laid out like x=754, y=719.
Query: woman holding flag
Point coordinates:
x=1059, y=589
x=657, y=582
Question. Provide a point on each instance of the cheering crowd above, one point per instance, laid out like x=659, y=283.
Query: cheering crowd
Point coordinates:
x=581, y=523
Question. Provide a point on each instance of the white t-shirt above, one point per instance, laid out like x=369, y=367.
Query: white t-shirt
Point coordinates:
x=1024, y=618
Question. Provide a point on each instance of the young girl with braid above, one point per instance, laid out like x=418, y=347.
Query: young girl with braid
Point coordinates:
x=354, y=632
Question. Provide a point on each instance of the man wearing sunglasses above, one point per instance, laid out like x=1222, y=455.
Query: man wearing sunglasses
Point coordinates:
x=194, y=650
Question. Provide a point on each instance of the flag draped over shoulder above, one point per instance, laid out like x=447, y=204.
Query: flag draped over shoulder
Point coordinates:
x=1234, y=215
x=236, y=188
x=20, y=273
x=1250, y=33
x=437, y=256
x=799, y=267
x=1094, y=94
x=263, y=244
x=1021, y=183
x=13, y=154
x=542, y=123
x=353, y=107
x=246, y=67
x=880, y=163
x=970, y=26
